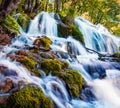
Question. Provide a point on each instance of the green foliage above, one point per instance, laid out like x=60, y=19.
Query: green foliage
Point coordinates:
x=50, y=65
x=73, y=81
x=98, y=11
x=20, y=9
x=11, y=24
x=30, y=64
x=29, y=97
x=23, y=21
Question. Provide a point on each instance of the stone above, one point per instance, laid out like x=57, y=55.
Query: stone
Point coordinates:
x=5, y=39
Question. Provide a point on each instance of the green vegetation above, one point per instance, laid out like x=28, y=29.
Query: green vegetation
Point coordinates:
x=106, y=12
x=30, y=64
x=66, y=65
x=11, y=24
x=73, y=81
x=51, y=65
x=117, y=54
x=70, y=29
x=44, y=41
x=29, y=97
x=23, y=20
x=75, y=32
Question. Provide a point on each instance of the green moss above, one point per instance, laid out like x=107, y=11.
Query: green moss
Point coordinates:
x=51, y=65
x=11, y=24
x=117, y=54
x=23, y=21
x=20, y=9
x=70, y=29
x=45, y=42
x=76, y=33
x=29, y=97
x=66, y=65
x=73, y=81
x=30, y=64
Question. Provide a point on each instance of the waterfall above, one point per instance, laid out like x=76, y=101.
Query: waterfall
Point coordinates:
x=43, y=23
x=97, y=37
x=106, y=91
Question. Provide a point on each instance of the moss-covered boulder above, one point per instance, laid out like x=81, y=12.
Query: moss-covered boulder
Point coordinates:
x=29, y=97
x=30, y=64
x=23, y=21
x=43, y=42
x=73, y=81
x=11, y=24
x=5, y=39
x=51, y=65
x=68, y=28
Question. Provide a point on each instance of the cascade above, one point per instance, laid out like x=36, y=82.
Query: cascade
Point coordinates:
x=97, y=37
x=43, y=23
x=106, y=91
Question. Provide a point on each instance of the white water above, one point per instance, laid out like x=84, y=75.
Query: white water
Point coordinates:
x=43, y=23
x=97, y=37
x=107, y=90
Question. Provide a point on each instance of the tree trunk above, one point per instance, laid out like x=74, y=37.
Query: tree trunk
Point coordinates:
x=7, y=6
x=57, y=5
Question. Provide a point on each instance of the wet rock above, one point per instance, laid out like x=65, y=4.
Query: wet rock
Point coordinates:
x=22, y=52
x=73, y=81
x=6, y=85
x=46, y=55
x=87, y=94
x=3, y=99
x=7, y=72
x=5, y=39
x=44, y=42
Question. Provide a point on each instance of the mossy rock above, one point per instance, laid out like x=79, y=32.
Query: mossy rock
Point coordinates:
x=76, y=33
x=29, y=97
x=23, y=21
x=11, y=24
x=30, y=64
x=66, y=64
x=51, y=65
x=68, y=28
x=47, y=55
x=73, y=81
x=43, y=42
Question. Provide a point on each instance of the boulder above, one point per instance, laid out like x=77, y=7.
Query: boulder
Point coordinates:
x=5, y=39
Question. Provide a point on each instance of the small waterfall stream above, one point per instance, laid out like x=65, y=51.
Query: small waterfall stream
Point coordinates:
x=106, y=91
x=97, y=37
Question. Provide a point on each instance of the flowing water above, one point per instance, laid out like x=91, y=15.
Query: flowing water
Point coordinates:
x=106, y=91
